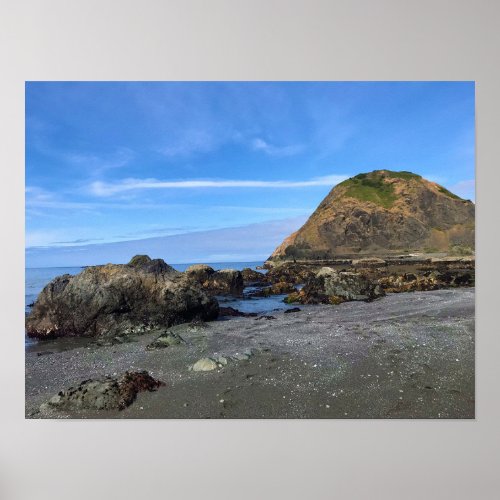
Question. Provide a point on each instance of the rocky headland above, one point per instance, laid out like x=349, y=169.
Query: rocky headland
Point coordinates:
x=383, y=213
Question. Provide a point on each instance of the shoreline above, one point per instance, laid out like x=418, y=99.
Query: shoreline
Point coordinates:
x=395, y=357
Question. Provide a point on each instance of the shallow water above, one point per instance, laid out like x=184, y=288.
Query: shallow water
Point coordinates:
x=262, y=305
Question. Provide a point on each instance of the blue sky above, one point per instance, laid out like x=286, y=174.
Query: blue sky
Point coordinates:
x=112, y=162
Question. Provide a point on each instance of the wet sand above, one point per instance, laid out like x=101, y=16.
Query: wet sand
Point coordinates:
x=408, y=355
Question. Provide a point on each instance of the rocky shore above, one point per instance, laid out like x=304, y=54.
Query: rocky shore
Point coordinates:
x=114, y=336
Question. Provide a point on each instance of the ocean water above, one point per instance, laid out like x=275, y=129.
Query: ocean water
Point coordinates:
x=37, y=278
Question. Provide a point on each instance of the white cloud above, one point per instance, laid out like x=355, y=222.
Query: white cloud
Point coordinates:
x=99, y=188
x=261, y=145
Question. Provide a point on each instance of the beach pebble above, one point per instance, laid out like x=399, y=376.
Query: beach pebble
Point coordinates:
x=204, y=365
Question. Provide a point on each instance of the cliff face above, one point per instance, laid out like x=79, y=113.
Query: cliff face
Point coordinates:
x=382, y=212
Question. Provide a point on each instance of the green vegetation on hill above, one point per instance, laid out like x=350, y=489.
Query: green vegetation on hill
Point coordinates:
x=402, y=175
x=371, y=187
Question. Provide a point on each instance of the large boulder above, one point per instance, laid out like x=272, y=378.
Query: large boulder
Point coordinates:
x=200, y=272
x=223, y=282
x=111, y=299
x=333, y=287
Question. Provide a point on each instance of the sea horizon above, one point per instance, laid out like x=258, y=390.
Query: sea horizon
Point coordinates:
x=173, y=264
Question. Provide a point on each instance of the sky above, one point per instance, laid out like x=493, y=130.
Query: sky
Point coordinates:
x=220, y=171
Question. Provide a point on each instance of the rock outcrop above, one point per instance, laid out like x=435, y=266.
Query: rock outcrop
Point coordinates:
x=108, y=393
x=252, y=278
x=334, y=287
x=223, y=282
x=113, y=298
x=380, y=213
x=288, y=272
x=278, y=288
x=430, y=280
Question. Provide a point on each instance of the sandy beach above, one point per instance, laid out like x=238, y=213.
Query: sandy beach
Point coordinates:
x=407, y=355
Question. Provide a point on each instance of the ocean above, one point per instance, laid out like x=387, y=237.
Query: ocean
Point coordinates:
x=36, y=278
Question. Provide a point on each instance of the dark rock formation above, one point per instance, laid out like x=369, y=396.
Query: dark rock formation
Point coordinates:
x=288, y=272
x=334, y=287
x=231, y=311
x=368, y=262
x=224, y=282
x=430, y=280
x=254, y=278
x=105, y=394
x=200, y=272
x=111, y=299
x=381, y=213
x=278, y=288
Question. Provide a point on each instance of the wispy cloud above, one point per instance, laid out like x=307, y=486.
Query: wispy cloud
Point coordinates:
x=39, y=198
x=77, y=241
x=98, y=164
x=99, y=188
x=90, y=161
x=272, y=150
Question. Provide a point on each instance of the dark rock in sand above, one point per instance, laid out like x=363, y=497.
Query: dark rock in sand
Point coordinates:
x=111, y=299
x=105, y=394
x=292, y=310
x=231, y=311
x=334, y=287
x=166, y=339
x=223, y=282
